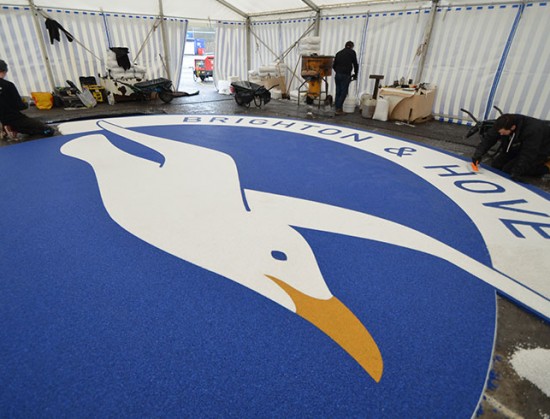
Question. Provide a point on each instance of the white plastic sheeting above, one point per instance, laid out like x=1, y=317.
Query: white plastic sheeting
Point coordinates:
x=95, y=33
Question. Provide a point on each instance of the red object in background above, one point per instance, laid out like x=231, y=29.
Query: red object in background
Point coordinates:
x=204, y=67
x=200, y=51
x=209, y=63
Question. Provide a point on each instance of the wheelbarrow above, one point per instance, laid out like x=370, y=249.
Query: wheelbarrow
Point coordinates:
x=245, y=92
x=161, y=86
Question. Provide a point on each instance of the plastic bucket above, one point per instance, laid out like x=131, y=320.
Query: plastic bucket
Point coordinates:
x=223, y=87
x=381, y=111
x=349, y=107
x=368, y=108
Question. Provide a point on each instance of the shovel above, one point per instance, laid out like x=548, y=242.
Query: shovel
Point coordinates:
x=85, y=96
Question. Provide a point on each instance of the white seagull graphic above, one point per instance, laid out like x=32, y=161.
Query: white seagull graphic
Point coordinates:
x=193, y=207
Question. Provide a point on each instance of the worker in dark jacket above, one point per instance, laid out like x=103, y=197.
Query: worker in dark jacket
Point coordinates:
x=524, y=149
x=344, y=62
x=13, y=121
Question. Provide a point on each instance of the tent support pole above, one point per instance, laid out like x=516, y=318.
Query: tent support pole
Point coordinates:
x=295, y=44
x=164, y=40
x=42, y=45
x=426, y=42
x=263, y=43
x=248, y=45
x=317, y=11
x=153, y=28
x=317, y=22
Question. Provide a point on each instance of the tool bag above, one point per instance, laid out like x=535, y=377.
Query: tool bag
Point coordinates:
x=90, y=83
x=85, y=95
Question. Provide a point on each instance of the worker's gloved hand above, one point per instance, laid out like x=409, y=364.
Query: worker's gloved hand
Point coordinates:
x=476, y=160
x=354, y=77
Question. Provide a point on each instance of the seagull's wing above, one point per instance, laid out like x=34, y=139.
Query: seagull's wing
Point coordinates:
x=128, y=180
x=317, y=216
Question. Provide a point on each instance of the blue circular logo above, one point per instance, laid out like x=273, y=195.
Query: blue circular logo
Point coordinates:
x=239, y=266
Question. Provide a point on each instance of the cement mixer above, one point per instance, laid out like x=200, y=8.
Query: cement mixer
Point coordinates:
x=315, y=70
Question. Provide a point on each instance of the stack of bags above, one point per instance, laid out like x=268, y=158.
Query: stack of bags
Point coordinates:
x=310, y=45
x=271, y=75
x=119, y=66
x=121, y=73
x=273, y=70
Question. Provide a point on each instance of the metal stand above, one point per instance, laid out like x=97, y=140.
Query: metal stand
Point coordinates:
x=376, y=77
x=317, y=97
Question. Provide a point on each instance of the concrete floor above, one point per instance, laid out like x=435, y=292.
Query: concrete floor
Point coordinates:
x=507, y=395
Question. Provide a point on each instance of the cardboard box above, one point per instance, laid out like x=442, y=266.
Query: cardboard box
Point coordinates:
x=410, y=106
x=280, y=82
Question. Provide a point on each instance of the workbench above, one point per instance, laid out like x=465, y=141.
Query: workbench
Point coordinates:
x=408, y=104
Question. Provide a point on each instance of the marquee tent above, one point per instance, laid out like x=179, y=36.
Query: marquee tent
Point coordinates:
x=478, y=54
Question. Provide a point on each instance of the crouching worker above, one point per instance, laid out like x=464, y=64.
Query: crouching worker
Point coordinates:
x=11, y=104
x=524, y=148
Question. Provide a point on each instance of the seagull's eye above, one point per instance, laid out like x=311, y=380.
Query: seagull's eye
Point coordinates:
x=277, y=254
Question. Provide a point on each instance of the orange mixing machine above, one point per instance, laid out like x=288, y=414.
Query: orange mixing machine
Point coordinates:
x=315, y=70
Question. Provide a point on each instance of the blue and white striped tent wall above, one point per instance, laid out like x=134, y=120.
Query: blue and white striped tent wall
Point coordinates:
x=463, y=56
x=96, y=32
x=176, y=33
x=478, y=55
x=385, y=43
x=381, y=48
x=231, y=51
x=268, y=33
x=523, y=85
x=335, y=31
x=392, y=41
x=68, y=60
x=22, y=52
x=291, y=32
x=131, y=31
x=279, y=36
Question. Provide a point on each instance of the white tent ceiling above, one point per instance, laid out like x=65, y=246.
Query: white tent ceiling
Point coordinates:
x=233, y=10
x=236, y=10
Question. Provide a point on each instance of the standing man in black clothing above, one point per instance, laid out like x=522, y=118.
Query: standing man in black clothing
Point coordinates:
x=10, y=106
x=344, y=62
x=524, y=148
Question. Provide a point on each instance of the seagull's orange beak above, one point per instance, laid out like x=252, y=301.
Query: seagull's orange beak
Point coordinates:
x=341, y=325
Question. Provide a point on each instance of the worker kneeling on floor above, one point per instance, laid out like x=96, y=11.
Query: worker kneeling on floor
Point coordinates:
x=11, y=105
x=524, y=146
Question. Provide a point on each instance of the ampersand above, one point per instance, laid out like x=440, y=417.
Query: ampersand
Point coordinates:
x=400, y=152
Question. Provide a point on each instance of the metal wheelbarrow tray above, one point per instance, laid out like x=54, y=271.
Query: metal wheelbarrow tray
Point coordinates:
x=245, y=92
x=162, y=86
